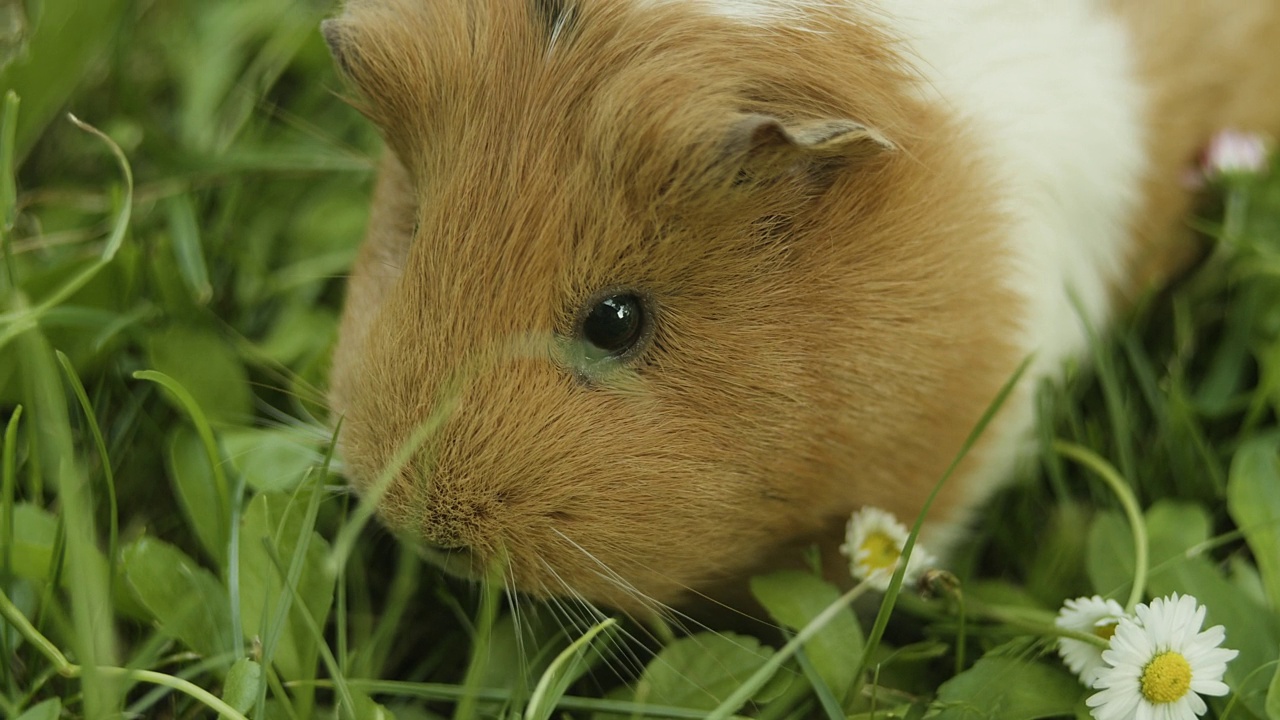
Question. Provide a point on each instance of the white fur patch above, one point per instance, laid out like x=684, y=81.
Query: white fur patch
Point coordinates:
x=1050, y=89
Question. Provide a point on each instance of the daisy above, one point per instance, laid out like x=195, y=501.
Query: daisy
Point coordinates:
x=1087, y=615
x=1231, y=152
x=1160, y=663
x=873, y=544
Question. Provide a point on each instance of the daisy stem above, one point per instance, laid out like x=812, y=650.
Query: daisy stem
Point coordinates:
x=1127, y=501
x=14, y=616
x=1036, y=622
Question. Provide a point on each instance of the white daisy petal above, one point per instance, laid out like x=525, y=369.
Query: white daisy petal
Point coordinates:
x=1109, y=706
x=1159, y=663
x=874, y=540
x=1087, y=615
x=1213, y=688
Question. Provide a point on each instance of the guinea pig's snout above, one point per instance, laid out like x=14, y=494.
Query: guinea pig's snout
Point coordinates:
x=459, y=517
x=452, y=523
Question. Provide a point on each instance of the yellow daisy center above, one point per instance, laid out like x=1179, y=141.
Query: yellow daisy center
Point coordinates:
x=1106, y=631
x=1166, y=678
x=881, y=552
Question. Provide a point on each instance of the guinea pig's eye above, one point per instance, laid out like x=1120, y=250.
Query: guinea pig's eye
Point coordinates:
x=613, y=325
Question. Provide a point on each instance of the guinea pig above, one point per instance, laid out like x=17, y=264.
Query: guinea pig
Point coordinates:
x=656, y=293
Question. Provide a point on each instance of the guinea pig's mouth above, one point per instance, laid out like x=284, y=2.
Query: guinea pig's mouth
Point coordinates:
x=460, y=562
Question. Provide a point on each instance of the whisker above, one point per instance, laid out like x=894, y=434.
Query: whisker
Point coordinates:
x=621, y=652
x=665, y=612
x=674, y=617
x=517, y=626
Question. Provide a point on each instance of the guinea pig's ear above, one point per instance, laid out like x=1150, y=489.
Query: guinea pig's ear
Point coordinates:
x=764, y=146
x=368, y=54
x=334, y=33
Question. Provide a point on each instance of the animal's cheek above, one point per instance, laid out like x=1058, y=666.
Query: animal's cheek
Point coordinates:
x=627, y=534
x=615, y=496
x=659, y=544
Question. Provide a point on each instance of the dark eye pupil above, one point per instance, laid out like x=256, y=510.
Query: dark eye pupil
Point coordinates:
x=614, y=324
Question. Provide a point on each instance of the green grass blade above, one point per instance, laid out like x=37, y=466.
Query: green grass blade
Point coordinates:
x=8, y=486
x=8, y=183
x=490, y=593
x=895, y=584
x=347, y=702
x=443, y=692
x=109, y=480
x=744, y=692
x=826, y=698
x=91, y=603
x=566, y=668
x=197, y=416
x=8, y=193
x=293, y=576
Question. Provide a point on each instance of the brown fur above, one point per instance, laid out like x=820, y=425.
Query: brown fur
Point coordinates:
x=818, y=348
x=827, y=332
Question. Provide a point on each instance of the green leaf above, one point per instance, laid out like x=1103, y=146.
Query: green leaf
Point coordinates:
x=1244, y=576
x=36, y=544
x=1178, y=527
x=794, y=598
x=1058, y=569
x=50, y=709
x=209, y=369
x=244, y=679
x=700, y=671
x=68, y=38
x=187, y=600
x=270, y=460
x=1110, y=559
x=1249, y=627
x=1004, y=688
x=35, y=532
x=1173, y=529
x=276, y=520
x=300, y=331
x=197, y=491
x=1253, y=499
x=519, y=651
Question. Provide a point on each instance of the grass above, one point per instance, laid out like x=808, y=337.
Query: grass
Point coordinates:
x=174, y=544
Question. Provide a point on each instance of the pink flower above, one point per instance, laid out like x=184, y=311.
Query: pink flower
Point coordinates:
x=1232, y=152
